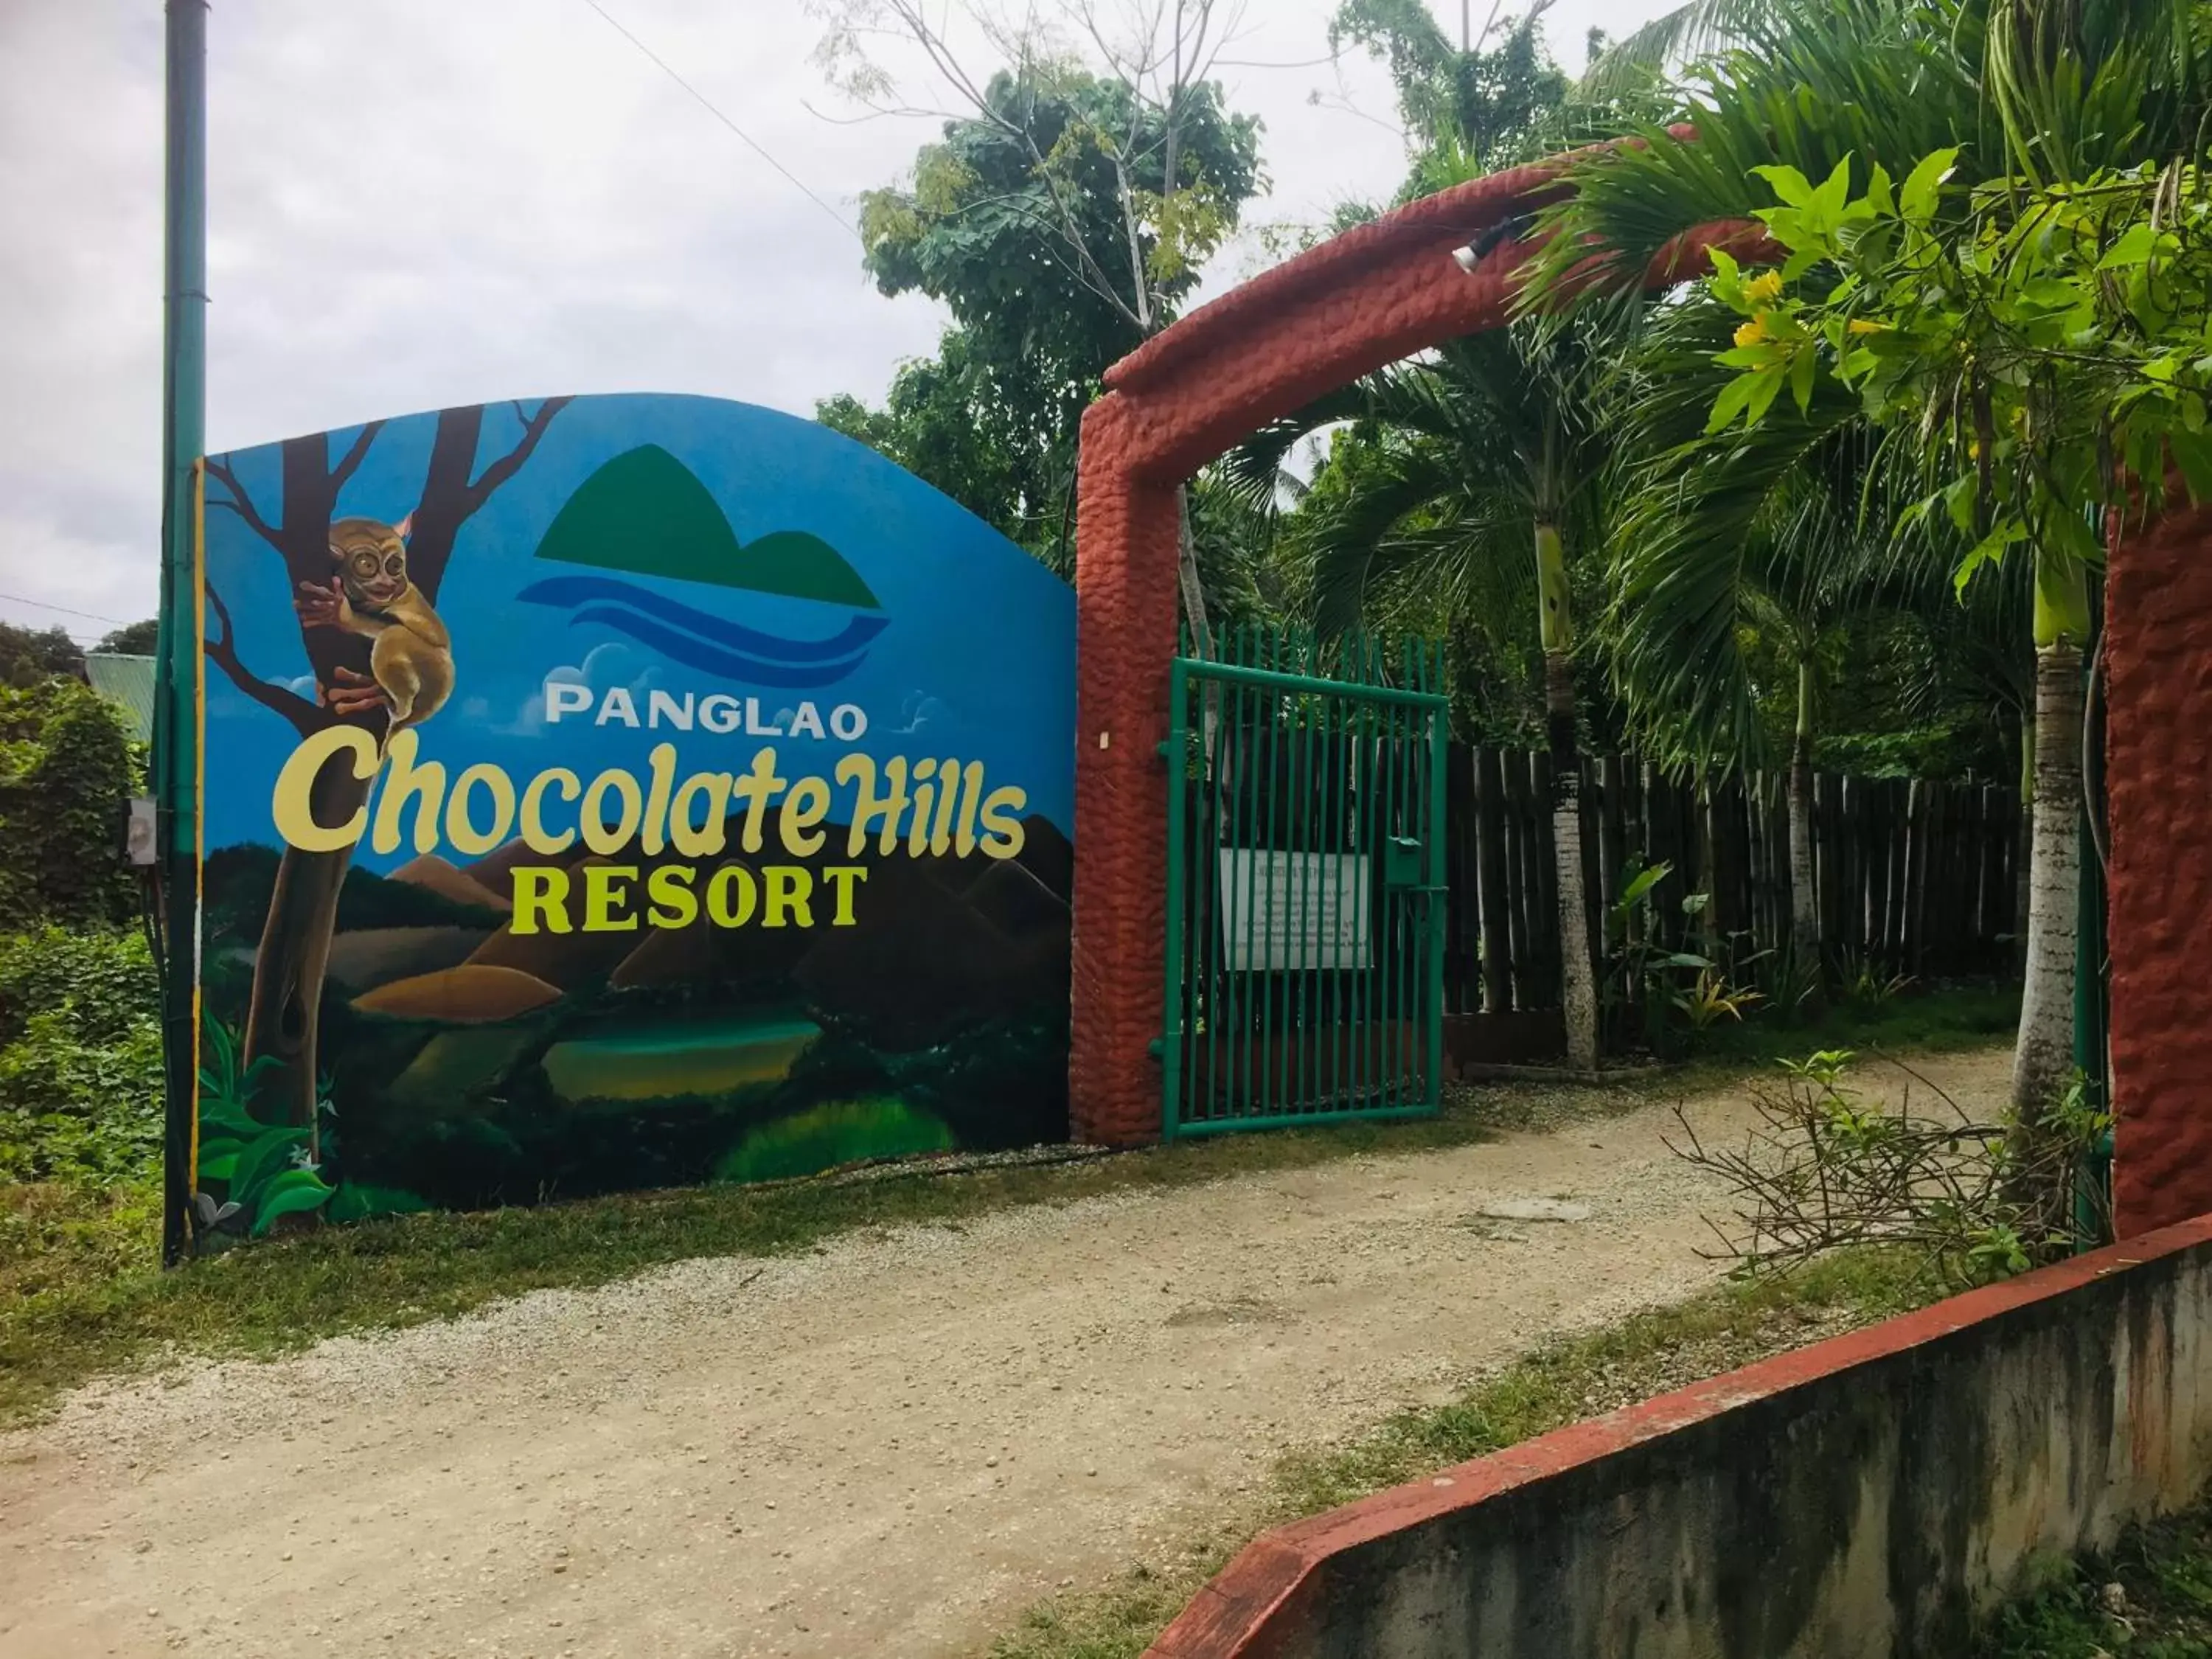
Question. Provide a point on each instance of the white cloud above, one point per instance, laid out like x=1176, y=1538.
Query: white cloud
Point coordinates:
x=605, y=667
x=415, y=204
x=917, y=711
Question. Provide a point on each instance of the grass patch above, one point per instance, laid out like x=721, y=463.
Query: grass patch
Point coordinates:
x=2151, y=1599
x=1944, y=1019
x=1563, y=1382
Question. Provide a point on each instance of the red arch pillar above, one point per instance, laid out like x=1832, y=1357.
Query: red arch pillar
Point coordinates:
x=1369, y=297
x=2158, y=778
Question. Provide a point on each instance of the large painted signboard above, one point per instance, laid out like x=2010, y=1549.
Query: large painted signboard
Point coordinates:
x=616, y=792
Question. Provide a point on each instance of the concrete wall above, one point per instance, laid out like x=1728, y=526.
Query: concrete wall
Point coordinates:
x=1870, y=1496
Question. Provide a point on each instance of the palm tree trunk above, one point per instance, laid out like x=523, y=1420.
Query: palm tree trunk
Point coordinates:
x=1805, y=941
x=1577, y=974
x=2024, y=852
x=2043, y=1058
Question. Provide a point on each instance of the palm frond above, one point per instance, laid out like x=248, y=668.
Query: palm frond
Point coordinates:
x=1257, y=470
x=1669, y=43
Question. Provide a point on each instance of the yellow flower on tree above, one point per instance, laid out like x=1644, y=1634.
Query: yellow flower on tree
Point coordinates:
x=1752, y=332
x=1763, y=288
x=1866, y=325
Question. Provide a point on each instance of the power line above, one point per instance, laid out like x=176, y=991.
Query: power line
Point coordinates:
x=89, y=616
x=707, y=105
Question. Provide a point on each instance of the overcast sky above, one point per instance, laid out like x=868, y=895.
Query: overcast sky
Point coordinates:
x=420, y=203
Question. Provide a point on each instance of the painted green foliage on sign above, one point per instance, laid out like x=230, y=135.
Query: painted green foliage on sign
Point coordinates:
x=644, y=512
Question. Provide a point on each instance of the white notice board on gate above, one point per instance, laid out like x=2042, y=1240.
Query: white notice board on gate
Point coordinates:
x=1290, y=911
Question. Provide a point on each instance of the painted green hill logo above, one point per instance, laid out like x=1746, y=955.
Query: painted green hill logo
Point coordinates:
x=644, y=513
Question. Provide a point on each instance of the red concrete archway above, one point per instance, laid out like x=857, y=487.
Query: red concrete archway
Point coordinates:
x=1367, y=298
x=1379, y=293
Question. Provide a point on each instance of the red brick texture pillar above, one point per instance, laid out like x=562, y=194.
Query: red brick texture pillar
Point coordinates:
x=2158, y=748
x=1125, y=625
x=1367, y=298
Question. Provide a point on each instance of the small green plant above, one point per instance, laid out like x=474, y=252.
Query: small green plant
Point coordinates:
x=1644, y=972
x=1791, y=985
x=1829, y=1166
x=1867, y=986
x=1709, y=999
x=2150, y=1598
x=266, y=1171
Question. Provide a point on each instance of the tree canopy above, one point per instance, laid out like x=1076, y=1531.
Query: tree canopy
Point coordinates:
x=30, y=655
x=131, y=639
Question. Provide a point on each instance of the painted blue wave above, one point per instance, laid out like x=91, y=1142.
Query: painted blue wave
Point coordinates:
x=574, y=591
x=710, y=643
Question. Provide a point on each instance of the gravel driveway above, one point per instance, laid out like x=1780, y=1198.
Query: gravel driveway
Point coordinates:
x=887, y=1447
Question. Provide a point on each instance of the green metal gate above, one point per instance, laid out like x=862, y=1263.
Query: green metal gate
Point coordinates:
x=1305, y=924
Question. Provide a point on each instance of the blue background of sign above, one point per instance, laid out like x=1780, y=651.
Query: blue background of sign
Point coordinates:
x=976, y=660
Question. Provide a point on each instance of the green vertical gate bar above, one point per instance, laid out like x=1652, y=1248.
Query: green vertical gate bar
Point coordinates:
x=1306, y=873
x=1175, y=752
x=1437, y=896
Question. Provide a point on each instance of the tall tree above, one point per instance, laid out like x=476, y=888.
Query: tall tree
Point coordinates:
x=65, y=770
x=28, y=656
x=284, y=1013
x=1490, y=101
x=131, y=639
x=1729, y=552
x=1068, y=210
x=2017, y=93
x=1481, y=486
x=953, y=421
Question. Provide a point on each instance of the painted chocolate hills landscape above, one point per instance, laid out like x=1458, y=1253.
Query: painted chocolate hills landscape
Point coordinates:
x=471, y=1064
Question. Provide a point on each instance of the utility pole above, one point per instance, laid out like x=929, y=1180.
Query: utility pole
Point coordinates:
x=1465, y=26
x=176, y=718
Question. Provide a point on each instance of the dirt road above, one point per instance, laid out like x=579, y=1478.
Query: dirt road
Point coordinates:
x=887, y=1448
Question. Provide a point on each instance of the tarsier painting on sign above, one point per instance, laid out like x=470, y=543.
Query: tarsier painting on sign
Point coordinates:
x=410, y=655
x=672, y=791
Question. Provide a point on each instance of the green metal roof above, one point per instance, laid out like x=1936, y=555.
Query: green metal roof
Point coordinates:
x=129, y=682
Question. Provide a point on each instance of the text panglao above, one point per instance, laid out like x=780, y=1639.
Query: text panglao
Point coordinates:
x=718, y=711
x=929, y=805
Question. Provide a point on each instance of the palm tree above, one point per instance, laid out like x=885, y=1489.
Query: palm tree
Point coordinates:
x=1479, y=481
x=1780, y=543
x=1688, y=606
x=2036, y=89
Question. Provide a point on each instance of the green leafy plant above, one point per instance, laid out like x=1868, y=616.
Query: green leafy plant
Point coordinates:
x=79, y=1057
x=266, y=1171
x=1645, y=973
x=1790, y=984
x=1867, y=986
x=1709, y=999
x=66, y=769
x=1829, y=1166
x=2045, y=338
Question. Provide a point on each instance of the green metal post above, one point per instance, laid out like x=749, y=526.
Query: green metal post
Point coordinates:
x=1174, y=1036
x=1434, y=899
x=184, y=386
